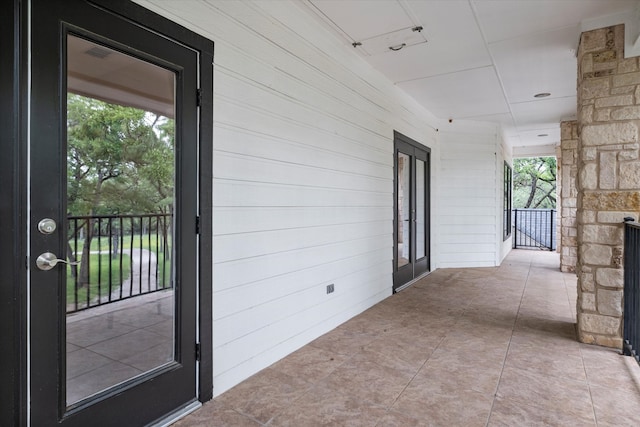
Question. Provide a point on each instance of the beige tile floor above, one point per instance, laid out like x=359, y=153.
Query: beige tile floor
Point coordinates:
x=115, y=342
x=462, y=347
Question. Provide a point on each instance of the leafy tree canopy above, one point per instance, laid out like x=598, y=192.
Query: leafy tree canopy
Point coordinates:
x=119, y=159
x=534, y=183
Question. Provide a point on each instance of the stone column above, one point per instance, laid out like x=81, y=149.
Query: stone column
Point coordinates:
x=568, y=170
x=608, y=178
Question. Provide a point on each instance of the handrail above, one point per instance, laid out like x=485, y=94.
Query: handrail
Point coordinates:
x=119, y=216
x=122, y=256
x=534, y=228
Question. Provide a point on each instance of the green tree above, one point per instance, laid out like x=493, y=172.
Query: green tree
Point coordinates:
x=119, y=161
x=534, y=183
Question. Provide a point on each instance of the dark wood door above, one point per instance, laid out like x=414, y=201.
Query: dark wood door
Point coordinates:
x=411, y=206
x=113, y=208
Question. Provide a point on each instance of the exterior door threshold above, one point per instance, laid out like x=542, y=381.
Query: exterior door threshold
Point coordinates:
x=406, y=285
x=177, y=414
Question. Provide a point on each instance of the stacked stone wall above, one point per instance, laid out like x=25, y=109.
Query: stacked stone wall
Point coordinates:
x=608, y=178
x=567, y=173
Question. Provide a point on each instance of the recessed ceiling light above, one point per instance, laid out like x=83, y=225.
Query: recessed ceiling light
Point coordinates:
x=542, y=95
x=543, y=134
x=98, y=52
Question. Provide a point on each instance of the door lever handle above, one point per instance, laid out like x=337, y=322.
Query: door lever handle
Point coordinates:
x=47, y=261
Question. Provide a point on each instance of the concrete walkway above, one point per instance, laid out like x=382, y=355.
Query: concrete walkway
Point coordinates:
x=143, y=278
x=462, y=347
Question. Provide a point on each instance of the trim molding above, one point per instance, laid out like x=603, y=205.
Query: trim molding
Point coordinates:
x=205, y=47
x=13, y=131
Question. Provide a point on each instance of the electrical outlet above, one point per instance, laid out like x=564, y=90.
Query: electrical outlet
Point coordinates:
x=330, y=288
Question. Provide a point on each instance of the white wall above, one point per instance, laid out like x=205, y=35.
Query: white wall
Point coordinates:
x=468, y=210
x=303, y=179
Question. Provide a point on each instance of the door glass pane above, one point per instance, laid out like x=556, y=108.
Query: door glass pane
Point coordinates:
x=404, y=213
x=120, y=319
x=420, y=209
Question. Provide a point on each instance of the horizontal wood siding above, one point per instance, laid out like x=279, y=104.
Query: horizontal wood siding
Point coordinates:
x=303, y=179
x=468, y=207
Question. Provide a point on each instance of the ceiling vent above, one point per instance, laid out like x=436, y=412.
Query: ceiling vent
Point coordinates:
x=98, y=52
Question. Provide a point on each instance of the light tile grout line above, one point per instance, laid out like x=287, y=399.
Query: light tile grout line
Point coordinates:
x=586, y=376
x=311, y=387
x=445, y=336
x=504, y=361
x=388, y=409
x=528, y=282
x=531, y=281
x=423, y=364
x=413, y=377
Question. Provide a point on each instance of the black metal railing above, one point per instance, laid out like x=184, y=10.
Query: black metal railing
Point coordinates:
x=120, y=256
x=631, y=323
x=534, y=228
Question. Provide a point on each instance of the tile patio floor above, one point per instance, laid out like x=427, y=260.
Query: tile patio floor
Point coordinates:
x=462, y=347
x=112, y=343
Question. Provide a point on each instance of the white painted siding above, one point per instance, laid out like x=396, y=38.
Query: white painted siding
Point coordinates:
x=303, y=179
x=468, y=209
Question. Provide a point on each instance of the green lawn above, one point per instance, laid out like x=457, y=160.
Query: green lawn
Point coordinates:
x=101, y=262
x=147, y=242
x=98, y=266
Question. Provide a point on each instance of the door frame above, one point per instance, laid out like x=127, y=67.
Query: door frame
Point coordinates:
x=13, y=239
x=424, y=265
x=14, y=97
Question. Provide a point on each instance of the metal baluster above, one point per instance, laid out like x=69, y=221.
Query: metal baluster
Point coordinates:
x=131, y=259
x=157, y=249
x=75, y=251
x=121, y=269
x=89, y=224
x=99, y=260
x=165, y=250
x=140, y=257
x=515, y=228
x=149, y=264
x=110, y=257
x=634, y=317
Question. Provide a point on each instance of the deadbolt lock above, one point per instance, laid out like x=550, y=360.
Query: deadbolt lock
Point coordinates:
x=47, y=226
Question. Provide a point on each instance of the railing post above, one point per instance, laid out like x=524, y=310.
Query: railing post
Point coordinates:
x=515, y=228
x=631, y=296
x=551, y=227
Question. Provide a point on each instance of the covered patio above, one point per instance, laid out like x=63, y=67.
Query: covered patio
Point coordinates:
x=473, y=347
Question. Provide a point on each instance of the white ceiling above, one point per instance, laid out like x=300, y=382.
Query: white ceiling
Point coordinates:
x=479, y=59
x=100, y=72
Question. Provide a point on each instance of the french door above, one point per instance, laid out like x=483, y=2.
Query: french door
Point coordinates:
x=411, y=206
x=113, y=210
